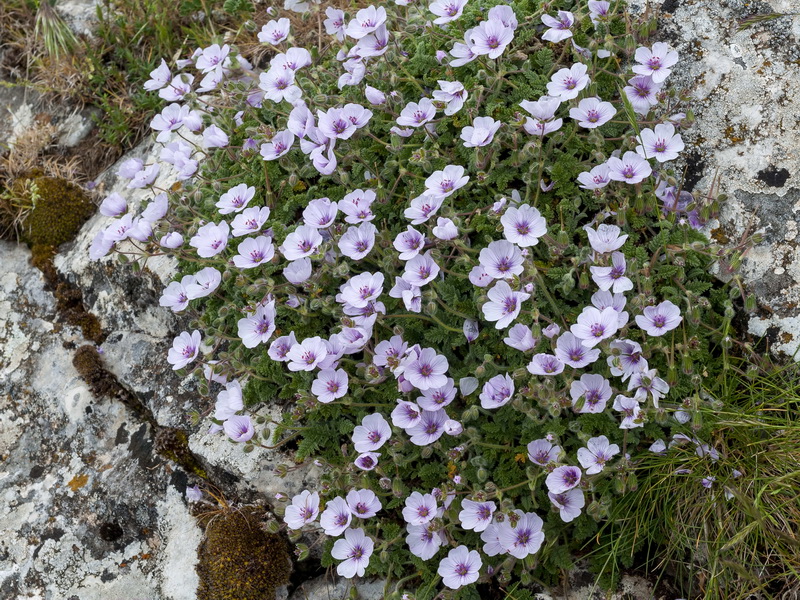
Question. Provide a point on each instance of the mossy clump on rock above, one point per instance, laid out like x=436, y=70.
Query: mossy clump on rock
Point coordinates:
x=238, y=560
x=44, y=211
x=173, y=443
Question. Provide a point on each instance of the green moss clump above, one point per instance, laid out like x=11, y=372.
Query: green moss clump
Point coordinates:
x=59, y=210
x=240, y=561
x=173, y=443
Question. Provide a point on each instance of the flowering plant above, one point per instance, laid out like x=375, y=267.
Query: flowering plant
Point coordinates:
x=443, y=240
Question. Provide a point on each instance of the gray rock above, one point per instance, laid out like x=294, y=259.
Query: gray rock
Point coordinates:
x=88, y=509
x=745, y=86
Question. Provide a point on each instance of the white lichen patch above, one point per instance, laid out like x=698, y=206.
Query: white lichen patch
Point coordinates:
x=181, y=536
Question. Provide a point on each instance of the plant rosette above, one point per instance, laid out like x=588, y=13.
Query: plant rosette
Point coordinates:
x=445, y=242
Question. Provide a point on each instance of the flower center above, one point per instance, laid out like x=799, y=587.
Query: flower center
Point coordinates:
x=374, y=437
x=598, y=330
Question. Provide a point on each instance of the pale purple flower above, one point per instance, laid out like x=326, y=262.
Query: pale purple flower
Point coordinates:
x=300, y=121
x=422, y=208
x=334, y=124
x=504, y=304
x=210, y=239
x=437, y=398
x=429, y=429
x=119, y=229
x=363, y=503
x=293, y=59
x=204, y=282
x=453, y=427
x=356, y=205
x=594, y=389
x=613, y=277
x=229, y=401
x=409, y=243
x=452, y=94
x=480, y=133
x=239, y=428
x=306, y=355
x=428, y=370
x=303, y=510
x=194, y=494
x=505, y=14
x=542, y=452
x=235, y=199
x=365, y=22
x=168, y=120
x=566, y=84
x=523, y=226
x=569, y=503
x=410, y=294
x=461, y=567
x=661, y=143
x=562, y=479
x=597, y=453
x=329, y=385
x=592, y=113
x=336, y=517
x=358, y=241
x=602, y=300
x=274, y=32
x=302, y=242
x=492, y=545
x=462, y=53
x=367, y=461
x=476, y=516
x=159, y=77
x=423, y=540
x=279, y=348
x=257, y=327
x=543, y=111
x=446, y=10
x=211, y=57
x=374, y=96
x=361, y=289
x=334, y=24
x=595, y=179
x=559, y=26
x=501, y=260
x=655, y=62
x=598, y=10
x=113, y=206
x=497, y=392
x=279, y=145
x=520, y=338
x=442, y=184
x=658, y=447
x=354, y=552
x=545, y=364
x=414, y=114
x=658, y=320
x=594, y=326
x=278, y=84
x=406, y=415
x=175, y=295
x=631, y=412
x=145, y=177
x=129, y=168
x=479, y=277
x=373, y=433
x=642, y=93
x=298, y=271
x=525, y=538
x=254, y=252
x=606, y=238
x=647, y=382
x=184, y=349
x=419, y=509
x=214, y=137
x=420, y=270
x=490, y=38
x=626, y=358
x=249, y=221
x=471, y=330
x=320, y=213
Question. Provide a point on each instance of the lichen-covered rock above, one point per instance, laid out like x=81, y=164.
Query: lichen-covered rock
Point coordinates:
x=744, y=86
x=89, y=510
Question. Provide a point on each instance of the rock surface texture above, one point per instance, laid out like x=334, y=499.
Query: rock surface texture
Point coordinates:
x=746, y=86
